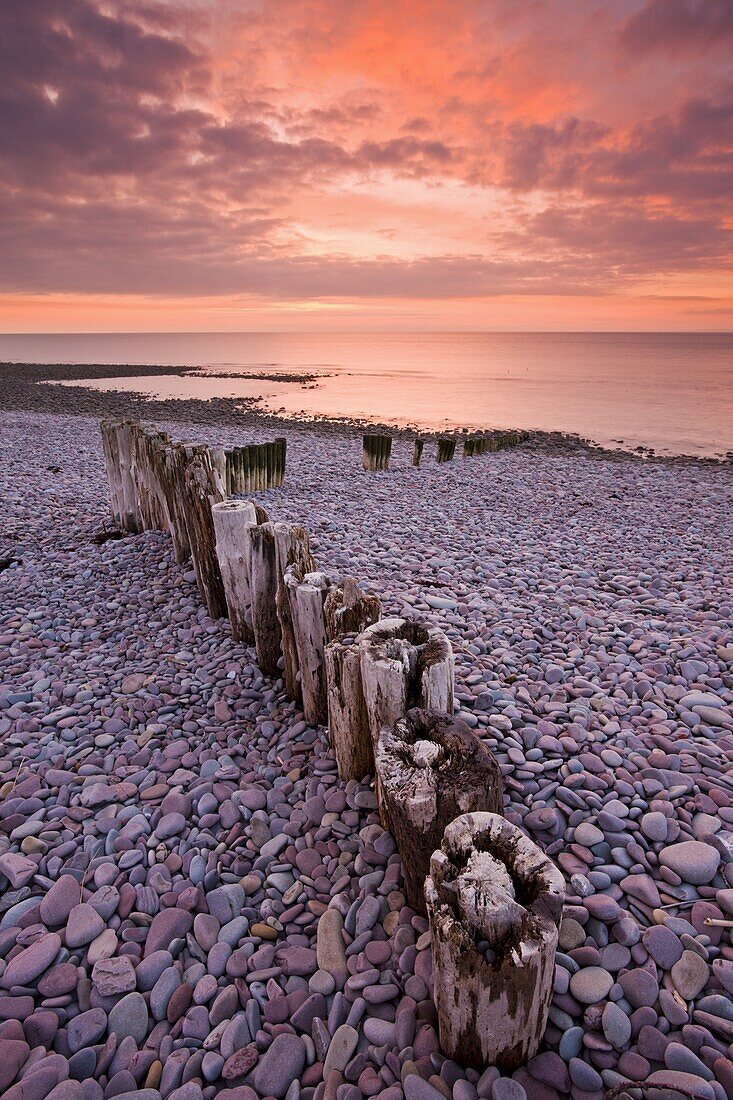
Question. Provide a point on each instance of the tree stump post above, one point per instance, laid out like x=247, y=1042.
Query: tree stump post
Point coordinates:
x=263, y=593
x=231, y=520
x=348, y=611
x=307, y=595
x=292, y=548
x=417, y=452
x=494, y=903
x=432, y=768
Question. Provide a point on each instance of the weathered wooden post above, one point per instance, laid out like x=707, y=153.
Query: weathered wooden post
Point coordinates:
x=348, y=611
x=494, y=903
x=307, y=595
x=219, y=462
x=376, y=450
x=417, y=452
x=260, y=551
x=446, y=449
x=202, y=489
x=431, y=769
x=470, y=448
x=292, y=548
x=231, y=520
x=117, y=450
x=281, y=447
x=403, y=664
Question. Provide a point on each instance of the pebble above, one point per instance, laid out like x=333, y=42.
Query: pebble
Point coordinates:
x=692, y=860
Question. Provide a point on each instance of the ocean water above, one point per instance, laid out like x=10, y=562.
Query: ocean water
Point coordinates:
x=669, y=391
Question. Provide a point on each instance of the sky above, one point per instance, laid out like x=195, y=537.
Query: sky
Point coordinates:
x=382, y=164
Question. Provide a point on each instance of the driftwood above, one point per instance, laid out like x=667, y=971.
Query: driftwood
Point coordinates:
x=432, y=768
x=376, y=451
x=231, y=520
x=348, y=611
x=417, y=452
x=292, y=547
x=306, y=596
x=203, y=488
x=260, y=551
x=494, y=903
x=446, y=449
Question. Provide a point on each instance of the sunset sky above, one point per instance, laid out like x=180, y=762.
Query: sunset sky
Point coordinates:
x=305, y=164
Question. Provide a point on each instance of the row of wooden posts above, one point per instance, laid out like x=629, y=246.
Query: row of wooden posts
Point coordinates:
x=385, y=689
x=376, y=449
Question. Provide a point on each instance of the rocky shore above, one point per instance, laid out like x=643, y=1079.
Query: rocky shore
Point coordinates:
x=192, y=903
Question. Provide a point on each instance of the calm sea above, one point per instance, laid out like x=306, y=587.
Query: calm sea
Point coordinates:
x=669, y=391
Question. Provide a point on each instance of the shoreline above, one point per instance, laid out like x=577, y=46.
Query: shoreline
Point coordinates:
x=38, y=390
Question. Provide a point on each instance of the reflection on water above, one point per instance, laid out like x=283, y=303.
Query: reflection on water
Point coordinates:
x=673, y=392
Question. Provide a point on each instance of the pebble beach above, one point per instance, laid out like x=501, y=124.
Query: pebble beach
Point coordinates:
x=193, y=904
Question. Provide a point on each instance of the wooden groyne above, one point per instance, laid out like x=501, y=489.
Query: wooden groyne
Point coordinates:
x=384, y=687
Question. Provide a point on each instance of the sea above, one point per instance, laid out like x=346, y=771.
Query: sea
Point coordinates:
x=672, y=392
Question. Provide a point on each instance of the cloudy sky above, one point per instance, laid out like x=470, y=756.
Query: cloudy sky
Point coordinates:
x=376, y=164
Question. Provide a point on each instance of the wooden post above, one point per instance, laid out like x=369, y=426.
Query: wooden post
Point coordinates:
x=307, y=595
x=431, y=769
x=292, y=548
x=117, y=450
x=376, y=450
x=417, y=452
x=494, y=903
x=245, y=476
x=219, y=462
x=403, y=665
x=263, y=593
x=231, y=520
x=446, y=449
x=203, y=489
x=348, y=611
x=281, y=445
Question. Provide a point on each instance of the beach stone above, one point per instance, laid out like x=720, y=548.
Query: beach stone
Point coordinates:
x=590, y=985
x=84, y=924
x=340, y=1049
x=129, y=1017
x=86, y=1028
x=168, y=925
x=640, y=987
x=694, y=861
x=616, y=1025
x=24, y=968
x=18, y=869
x=663, y=946
x=330, y=949
x=59, y=901
x=654, y=826
x=280, y=1065
x=690, y=974
x=14, y=1055
x=114, y=976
